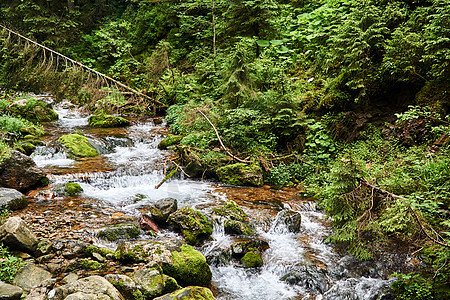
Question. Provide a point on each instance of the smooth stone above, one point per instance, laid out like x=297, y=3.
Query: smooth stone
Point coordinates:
x=12, y=199
x=31, y=276
x=10, y=292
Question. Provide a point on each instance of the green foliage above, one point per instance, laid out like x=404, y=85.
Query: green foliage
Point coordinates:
x=14, y=125
x=5, y=151
x=412, y=287
x=9, y=265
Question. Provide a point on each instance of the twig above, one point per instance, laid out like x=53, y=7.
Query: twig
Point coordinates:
x=168, y=176
x=220, y=140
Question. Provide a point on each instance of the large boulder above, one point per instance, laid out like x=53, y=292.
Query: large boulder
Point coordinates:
x=10, y=292
x=189, y=293
x=32, y=109
x=12, y=199
x=116, y=232
x=126, y=286
x=235, y=220
x=241, y=174
x=107, y=121
x=288, y=221
x=21, y=173
x=93, y=287
x=153, y=283
x=31, y=276
x=78, y=145
x=162, y=208
x=15, y=234
x=194, y=226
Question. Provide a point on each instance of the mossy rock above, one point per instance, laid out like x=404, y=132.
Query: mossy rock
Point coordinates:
x=241, y=174
x=239, y=249
x=194, y=226
x=235, y=219
x=72, y=188
x=189, y=293
x=116, y=232
x=30, y=131
x=188, y=267
x=153, y=284
x=252, y=259
x=90, y=250
x=154, y=253
x=32, y=109
x=107, y=121
x=27, y=147
x=89, y=264
x=78, y=145
x=170, y=140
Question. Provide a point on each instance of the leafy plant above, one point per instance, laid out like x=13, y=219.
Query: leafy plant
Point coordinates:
x=9, y=265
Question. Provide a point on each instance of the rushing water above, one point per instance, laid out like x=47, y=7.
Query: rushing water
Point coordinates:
x=296, y=265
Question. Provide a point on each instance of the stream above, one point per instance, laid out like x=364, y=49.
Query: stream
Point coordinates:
x=120, y=183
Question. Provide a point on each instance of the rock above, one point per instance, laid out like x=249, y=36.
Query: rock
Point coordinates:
x=252, y=259
x=10, y=292
x=72, y=189
x=71, y=248
x=288, y=220
x=162, y=208
x=107, y=121
x=182, y=262
x=72, y=277
x=15, y=234
x=153, y=283
x=116, y=232
x=21, y=173
x=311, y=278
x=235, y=220
x=239, y=249
x=12, y=199
x=27, y=147
x=32, y=109
x=188, y=267
x=98, y=257
x=170, y=140
x=241, y=174
x=194, y=226
x=39, y=292
x=93, y=287
x=88, y=264
x=189, y=293
x=31, y=276
x=44, y=247
x=147, y=224
x=126, y=286
x=78, y=145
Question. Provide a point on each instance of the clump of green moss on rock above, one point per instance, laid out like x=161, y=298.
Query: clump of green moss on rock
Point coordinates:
x=189, y=293
x=31, y=109
x=107, y=121
x=252, y=259
x=235, y=219
x=194, y=226
x=88, y=264
x=170, y=140
x=78, y=145
x=72, y=188
x=189, y=267
x=115, y=232
x=241, y=174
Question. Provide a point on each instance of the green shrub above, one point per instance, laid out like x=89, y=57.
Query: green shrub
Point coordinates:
x=9, y=265
x=5, y=151
x=14, y=125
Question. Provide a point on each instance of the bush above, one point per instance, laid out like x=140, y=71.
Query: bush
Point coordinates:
x=9, y=265
x=14, y=125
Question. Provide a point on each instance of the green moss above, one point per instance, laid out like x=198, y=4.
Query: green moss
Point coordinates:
x=170, y=140
x=27, y=147
x=115, y=232
x=72, y=188
x=189, y=267
x=252, y=259
x=93, y=249
x=106, y=121
x=31, y=109
x=194, y=226
x=191, y=293
x=78, y=145
x=88, y=264
x=236, y=220
x=241, y=174
x=127, y=255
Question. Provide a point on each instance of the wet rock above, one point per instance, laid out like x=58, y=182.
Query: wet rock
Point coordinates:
x=188, y=267
x=116, y=232
x=78, y=145
x=31, y=276
x=21, y=173
x=39, y=292
x=15, y=234
x=288, y=220
x=88, y=264
x=218, y=257
x=153, y=283
x=252, y=259
x=194, y=226
x=363, y=288
x=12, y=199
x=239, y=249
x=147, y=224
x=241, y=174
x=10, y=292
x=162, y=208
x=32, y=109
x=154, y=253
x=71, y=248
x=93, y=287
x=235, y=220
x=126, y=286
x=27, y=147
x=170, y=140
x=107, y=121
x=311, y=278
x=189, y=293
x=72, y=189
x=44, y=247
